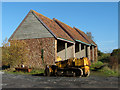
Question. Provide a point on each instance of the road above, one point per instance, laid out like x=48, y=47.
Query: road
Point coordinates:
x=29, y=81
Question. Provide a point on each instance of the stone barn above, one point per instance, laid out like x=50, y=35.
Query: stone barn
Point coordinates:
x=51, y=38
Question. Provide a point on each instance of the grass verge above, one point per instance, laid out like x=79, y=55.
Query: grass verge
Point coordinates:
x=101, y=69
x=34, y=71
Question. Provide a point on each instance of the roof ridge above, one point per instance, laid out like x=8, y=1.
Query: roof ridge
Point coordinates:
x=37, y=16
x=70, y=28
x=81, y=34
x=91, y=41
x=63, y=28
x=49, y=23
x=61, y=22
x=78, y=29
x=41, y=14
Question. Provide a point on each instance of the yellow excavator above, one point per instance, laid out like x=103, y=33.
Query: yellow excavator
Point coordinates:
x=70, y=67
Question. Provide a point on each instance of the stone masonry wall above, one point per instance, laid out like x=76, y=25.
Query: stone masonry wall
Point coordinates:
x=91, y=53
x=35, y=47
x=95, y=53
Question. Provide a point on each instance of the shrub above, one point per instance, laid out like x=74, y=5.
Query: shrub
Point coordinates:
x=99, y=53
x=36, y=71
x=104, y=57
x=115, y=52
x=115, y=59
x=106, y=70
x=113, y=62
x=96, y=64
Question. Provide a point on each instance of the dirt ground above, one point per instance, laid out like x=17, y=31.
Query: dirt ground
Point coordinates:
x=29, y=81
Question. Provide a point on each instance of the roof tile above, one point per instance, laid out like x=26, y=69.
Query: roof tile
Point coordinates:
x=52, y=25
x=84, y=35
x=71, y=31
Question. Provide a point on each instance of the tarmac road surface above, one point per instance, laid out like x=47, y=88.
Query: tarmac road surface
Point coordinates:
x=29, y=81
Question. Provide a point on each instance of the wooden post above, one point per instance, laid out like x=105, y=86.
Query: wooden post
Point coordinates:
x=84, y=50
x=96, y=53
x=88, y=52
x=65, y=51
x=93, y=53
x=80, y=50
x=74, y=50
x=55, y=50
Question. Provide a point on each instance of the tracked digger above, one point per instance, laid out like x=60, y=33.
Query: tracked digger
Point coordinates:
x=70, y=67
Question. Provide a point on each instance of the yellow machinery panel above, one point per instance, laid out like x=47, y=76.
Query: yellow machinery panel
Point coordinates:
x=86, y=62
x=82, y=62
x=70, y=62
x=61, y=64
x=86, y=69
x=58, y=59
x=79, y=62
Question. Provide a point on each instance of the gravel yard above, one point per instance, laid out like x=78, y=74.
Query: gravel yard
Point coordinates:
x=29, y=81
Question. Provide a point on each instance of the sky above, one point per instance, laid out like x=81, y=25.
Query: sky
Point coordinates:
x=99, y=18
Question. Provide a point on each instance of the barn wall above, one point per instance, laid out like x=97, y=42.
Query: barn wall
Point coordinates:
x=81, y=53
x=88, y=53
x=70, y=51
x=61, y=50
x=35, y=46
x=55, y=49
x=31, y=28
x=91, y=56
x=95, y=53
x=77, y=52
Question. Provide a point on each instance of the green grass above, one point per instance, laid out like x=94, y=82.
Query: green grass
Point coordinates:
x=37, y=71
x=103, y=74
x=98, y=73
x=105, y=71
x=34, y=71
x=109, y=72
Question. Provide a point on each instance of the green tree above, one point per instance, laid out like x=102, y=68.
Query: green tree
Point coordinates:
x=99, y=53
x=115, y=52
x=14, y=53
x=103, y=57
x=89, y=34
x=5, y=52
x=115, y=59
x=18, y=52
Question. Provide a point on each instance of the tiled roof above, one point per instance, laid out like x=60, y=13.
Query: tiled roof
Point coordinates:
x=60, y=30
x=71, y=31
x=85, y=36
x=52, y=25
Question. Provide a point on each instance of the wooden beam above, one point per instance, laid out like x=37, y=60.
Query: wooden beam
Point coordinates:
x=80, y=50
x=65, y=51
x=93, y=53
